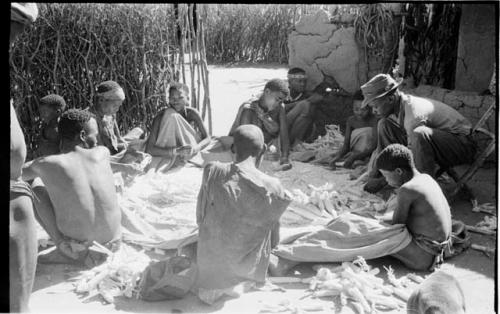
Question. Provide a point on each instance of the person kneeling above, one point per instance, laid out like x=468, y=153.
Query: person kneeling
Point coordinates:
x=76, y=203
x=421, y=206
x=238, y=213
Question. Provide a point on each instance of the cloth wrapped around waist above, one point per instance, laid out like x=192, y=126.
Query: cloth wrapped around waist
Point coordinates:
x=21, y=187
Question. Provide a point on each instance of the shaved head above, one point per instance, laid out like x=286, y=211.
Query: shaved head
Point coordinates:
x=248, y=141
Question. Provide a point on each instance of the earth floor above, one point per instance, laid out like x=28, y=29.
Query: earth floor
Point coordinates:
x=230, y=86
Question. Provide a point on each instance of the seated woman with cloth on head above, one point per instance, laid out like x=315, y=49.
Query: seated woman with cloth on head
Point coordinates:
x=177, y=131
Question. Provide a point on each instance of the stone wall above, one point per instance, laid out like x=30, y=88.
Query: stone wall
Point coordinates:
x=476, y=47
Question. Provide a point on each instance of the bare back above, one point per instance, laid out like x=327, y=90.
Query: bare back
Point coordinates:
x=81, y=187
x=428, y=212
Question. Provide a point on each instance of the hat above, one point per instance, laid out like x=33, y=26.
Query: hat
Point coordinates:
x=379, y=86
x=24, y=13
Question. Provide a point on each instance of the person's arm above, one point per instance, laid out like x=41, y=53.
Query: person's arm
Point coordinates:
x=285, y=141
x=347, y=140
x=402, y=210
x=202, y=196
x=151, y=147
x=122, y=144
x=195, y=115
x=30, y=169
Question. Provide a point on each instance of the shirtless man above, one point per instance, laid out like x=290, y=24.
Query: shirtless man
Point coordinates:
x=421, y=206
x=77, y=202
x=268, y=113
x=22, y=232
x=238, y=208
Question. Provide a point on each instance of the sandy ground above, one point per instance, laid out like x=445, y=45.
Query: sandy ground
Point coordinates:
x=52, y=292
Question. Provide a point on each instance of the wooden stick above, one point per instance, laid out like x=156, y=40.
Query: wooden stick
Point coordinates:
x=480, y=230
x=482, y=248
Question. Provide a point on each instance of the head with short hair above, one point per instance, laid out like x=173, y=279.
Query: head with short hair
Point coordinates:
x=395, y=161
x=275, y=91
x=297, y=80
x=79, y=126
x=358, y=109
x=178, y=96
x=248, y=141
x=110, y=97
x=51, y=107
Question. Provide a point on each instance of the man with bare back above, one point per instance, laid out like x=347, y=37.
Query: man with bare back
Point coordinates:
x=76, y=203
x=421, y=206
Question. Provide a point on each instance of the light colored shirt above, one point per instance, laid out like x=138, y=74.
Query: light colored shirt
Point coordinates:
x=433, y=114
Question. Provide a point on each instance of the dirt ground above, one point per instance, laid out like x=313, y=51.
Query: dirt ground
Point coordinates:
x=230, y=86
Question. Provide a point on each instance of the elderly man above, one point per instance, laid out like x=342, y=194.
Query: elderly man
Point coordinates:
x=22, y=233
x=437, y=134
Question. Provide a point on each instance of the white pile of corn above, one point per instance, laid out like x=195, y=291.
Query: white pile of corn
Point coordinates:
x=356, y=283
x=118, y=276
x=324, y=145
x=332, y=203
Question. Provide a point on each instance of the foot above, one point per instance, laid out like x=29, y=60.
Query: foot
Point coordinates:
x=375, y=184
x=279, y=267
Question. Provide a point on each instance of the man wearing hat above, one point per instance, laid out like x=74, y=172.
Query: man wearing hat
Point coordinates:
x=22, y=233
x=437, y=134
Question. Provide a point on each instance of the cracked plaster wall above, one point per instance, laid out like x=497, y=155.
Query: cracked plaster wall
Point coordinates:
x=322, y=48
x=476, y=47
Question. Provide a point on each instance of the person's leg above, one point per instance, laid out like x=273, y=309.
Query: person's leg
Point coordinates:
x=22, y=251
x=432, y=147
x=413, y=257
x=298, y=120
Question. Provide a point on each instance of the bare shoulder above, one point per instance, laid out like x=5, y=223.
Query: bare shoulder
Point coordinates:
x=420, y=183
x=97, y=153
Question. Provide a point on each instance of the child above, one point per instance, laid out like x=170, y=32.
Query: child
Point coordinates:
x=51, y=107
x=421, y=206
x=268, y=113
x=360, y=135
x=177, y=130
x=110, y=97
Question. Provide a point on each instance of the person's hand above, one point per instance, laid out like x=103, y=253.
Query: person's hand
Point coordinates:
x=332, y=163
x=65, y=248
x=348, y=162
x=187, y=151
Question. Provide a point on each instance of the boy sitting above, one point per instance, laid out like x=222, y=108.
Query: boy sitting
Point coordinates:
x=76, y=203
x=178, y=129
x=268, y=113
x=237, y=213
x=360, y=135
x=51, y=107
x=421, y=206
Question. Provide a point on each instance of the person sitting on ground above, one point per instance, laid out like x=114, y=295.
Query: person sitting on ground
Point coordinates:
x=421, y=206
x=22, y=229
x=238, y=211
x=109, y=98
x=299, y=106
x=178, y=129
x=437, y=134
x=76, y=199
x=360, y=135
x=268, y=113
x=51, y=107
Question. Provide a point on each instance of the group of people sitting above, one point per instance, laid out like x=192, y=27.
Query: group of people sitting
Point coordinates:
x=72, y=192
